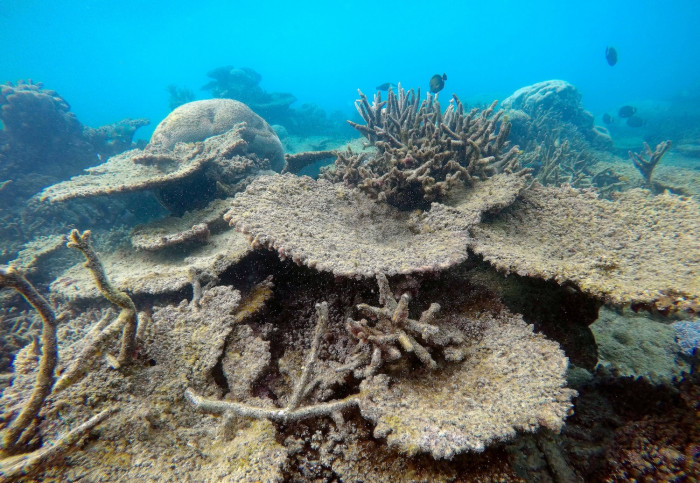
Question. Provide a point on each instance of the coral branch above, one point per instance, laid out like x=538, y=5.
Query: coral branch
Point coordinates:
x=16, y=467
x=11, y=278
x=292, y=412
x=296, y=162
x=277, y=415
x=128, y=315
x=646, y=167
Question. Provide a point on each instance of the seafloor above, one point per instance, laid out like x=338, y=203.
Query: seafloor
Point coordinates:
x=462, y=294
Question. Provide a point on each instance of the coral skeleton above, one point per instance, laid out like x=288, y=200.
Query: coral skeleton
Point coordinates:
x=392, y=330
x=646, y=166
x=16, y=435
x=423, y=152
x=293, y=411
x=128, y=316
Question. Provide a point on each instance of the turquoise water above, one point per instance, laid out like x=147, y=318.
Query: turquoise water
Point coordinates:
x=113, y=60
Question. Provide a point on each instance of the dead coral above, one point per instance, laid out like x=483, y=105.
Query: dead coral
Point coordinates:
x=294, y=411
x=646, y=166
x=333, y=228
x=166, y=270
x=423, y=152
x=635, y=249
x=128, y=316
x=460, y=407
x=194, y=226
x=14, y=436
x=392, y=329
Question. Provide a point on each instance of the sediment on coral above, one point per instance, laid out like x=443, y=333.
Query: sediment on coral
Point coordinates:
x=333, y=228
x=423, y=152
x=638, y=249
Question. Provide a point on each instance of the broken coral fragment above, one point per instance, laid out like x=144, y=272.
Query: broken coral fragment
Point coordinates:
x=511, y=380
x=337, y=229
x=638, y=249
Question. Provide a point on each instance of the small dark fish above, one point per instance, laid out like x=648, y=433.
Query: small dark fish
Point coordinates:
x=626, y=111
x=611, y=55
x=608, y=119
x=635, y=121
x=386, y=86
x=437, y=83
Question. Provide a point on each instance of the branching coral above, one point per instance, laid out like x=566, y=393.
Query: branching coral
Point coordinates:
x=423, y=152
x=294, y=410
x=392, y=330
x=646, y=166
x=81, y=241
x=13, y=437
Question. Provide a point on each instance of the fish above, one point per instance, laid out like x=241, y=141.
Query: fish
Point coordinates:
x=635, y=121
x=437, y=83
x=386, y=86
x=627, y=111
x=611, y=56
x=608, y=119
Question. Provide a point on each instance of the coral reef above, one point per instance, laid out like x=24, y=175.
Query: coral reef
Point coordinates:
x=548, y=234
x=635, y=345
x=456, y=409
x=242, y=84
x=422, y=153
x=551, y=108
x=193, y=227
x=115, y=138
x=203, y=146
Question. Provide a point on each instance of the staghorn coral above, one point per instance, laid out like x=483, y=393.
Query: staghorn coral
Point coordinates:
x=460, y=407
x=336, y=229
x=20, y=431
x=423, y=153
x=128, y=316
x=646, y=166
x=637, y=249
x=393, y=329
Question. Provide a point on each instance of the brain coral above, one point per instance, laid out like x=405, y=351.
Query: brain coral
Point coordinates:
x=199, y=120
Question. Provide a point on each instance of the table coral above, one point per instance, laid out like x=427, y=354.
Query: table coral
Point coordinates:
x=510, y=380
x=333, y=228
x=637, y=249
x=200, y=147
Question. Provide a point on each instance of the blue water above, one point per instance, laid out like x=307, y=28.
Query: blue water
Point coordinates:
x=112, y=60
